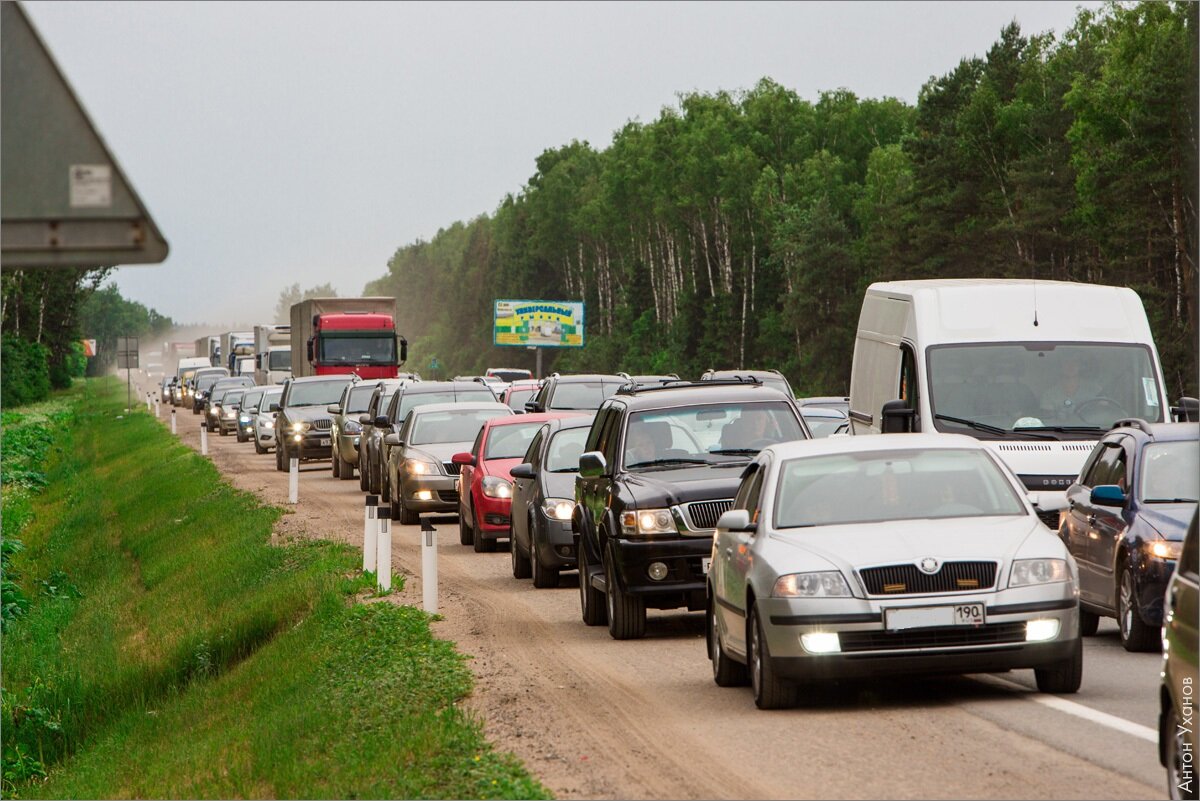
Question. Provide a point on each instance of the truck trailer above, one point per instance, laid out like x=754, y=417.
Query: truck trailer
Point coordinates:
x=333, y=336
x=236, y=345
x=272, y=354
x=209, y=347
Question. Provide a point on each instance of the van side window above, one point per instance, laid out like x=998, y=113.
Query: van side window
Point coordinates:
x=907, y=391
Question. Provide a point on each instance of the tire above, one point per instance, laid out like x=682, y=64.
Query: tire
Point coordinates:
x=335, y=465
x=1174, y=749
x=279, y=447
x=345, y=470
x=363, y=470
x=406, y=516
x=543, y=577
x=1135, y=634
x=240, y=437
x=591, y=601
x=480, y=543
x=258, y=448
x=626, y=612
x=1089, y=622
x=221, y=429
x=726, y=672
x=466, y=534
x=520, y=564
x=375, y=480
x=770, y=691
x=1062, y=678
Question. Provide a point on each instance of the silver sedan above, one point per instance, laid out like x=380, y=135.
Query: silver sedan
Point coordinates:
x=904, y=553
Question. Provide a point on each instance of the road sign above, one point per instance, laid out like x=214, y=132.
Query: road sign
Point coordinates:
x=538, y=323
x=127, y=352
x=89, y=347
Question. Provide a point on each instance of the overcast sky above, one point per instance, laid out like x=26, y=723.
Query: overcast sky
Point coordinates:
x=304, y=142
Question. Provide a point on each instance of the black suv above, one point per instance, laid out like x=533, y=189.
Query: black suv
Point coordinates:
x=772, y=378
x=660, y=465
x=574, y=393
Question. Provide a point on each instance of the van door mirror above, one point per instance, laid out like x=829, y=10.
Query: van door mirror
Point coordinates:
x=592, y=465
x=896, y=418
x=1107, y=495
x=382, y=421
x=736, y=520
x=523, y=470
x=1186, y=410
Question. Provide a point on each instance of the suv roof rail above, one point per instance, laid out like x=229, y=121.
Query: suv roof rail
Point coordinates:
x=633, y=388
x=1134, y=422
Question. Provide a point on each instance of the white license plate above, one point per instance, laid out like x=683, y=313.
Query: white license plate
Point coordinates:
x=705, y=564
x=324, y=442
x=925, y=617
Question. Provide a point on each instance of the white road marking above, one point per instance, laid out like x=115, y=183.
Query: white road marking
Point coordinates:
x=1076, y=709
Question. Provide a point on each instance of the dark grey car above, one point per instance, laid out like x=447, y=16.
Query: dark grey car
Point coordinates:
x=304, y=427
x=543, y=501
x=347, y=429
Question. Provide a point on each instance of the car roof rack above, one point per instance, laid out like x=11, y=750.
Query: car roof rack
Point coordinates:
x=633, y=388
x=1134, y=422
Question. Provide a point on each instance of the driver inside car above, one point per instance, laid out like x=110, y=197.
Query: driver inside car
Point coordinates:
x=1061, y=400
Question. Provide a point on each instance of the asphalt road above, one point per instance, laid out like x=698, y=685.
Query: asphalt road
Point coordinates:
x=596, y=718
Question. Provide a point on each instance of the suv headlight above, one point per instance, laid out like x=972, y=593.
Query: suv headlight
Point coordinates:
x=299, y=427
x=558, y=508
x=1165, y=549
x=420, y=467
x=1027, y=572
x=215, y=410
x=823, y=584
x=647, y=522
x=496, y=487
x=352, y=427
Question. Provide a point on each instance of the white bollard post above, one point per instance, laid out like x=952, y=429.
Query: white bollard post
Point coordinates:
x=429, y=582
x=294, y=480
x=369, y=538
x=383, y=550
x=157, y=410
x=204, y=439
x=173, y=429
x=148, y=401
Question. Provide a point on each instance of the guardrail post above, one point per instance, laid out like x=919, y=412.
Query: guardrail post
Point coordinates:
x=383, y=551
x=204, y=439
x=429, y=582
x=293, y=480
x=369, y=524
x=173, y=429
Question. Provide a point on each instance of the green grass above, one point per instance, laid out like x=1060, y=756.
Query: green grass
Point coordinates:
x=169, y=650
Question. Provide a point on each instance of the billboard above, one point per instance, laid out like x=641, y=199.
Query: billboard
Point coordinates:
x=538, y=323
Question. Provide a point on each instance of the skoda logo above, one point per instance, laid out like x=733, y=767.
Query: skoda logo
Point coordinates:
x=928, y=565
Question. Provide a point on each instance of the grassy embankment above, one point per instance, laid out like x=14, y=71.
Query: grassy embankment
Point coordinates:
x=169, y=650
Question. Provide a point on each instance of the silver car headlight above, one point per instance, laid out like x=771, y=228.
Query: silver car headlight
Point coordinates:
x=496, y=487
x=268, y=423
x=824, y=584
x=1028, y=572
x=558, y=508
x=648, y=522
x=420, y=467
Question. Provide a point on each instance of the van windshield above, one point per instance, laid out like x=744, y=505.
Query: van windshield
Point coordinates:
x=1041, y=386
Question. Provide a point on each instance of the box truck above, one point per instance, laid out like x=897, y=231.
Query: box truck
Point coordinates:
x=1037, y=370
x=346, y=335
x=210, y=348
x=236, y=345
x=272, y=353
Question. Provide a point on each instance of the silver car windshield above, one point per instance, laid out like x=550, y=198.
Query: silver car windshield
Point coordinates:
x=876, y=486
x=1171, y=472
x=1031, y=386
x=432, y=428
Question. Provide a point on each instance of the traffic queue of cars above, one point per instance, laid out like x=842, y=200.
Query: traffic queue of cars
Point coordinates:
x=1011, y=490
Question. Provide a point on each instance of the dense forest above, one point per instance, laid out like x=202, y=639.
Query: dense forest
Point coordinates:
x=741, y=228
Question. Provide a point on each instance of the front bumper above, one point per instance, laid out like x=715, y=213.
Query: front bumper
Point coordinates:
x=868, y=649
x=228, y=424
x=1151, y=577
x=348, y=448
x=313, y=444
x=683, y=556
x=493, y=517
x=556, y=548
x=430, y=493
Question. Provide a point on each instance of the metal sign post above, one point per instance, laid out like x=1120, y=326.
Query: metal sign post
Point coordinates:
x=429, y=584
x=127, y=359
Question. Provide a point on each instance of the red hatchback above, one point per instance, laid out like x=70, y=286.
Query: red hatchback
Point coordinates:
x=484, y=485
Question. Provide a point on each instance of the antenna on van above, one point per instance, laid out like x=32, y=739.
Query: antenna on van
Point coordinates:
x=1035, y=319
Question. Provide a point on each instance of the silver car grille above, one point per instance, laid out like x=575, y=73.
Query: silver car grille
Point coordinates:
x=704, y=514
x=908, y=579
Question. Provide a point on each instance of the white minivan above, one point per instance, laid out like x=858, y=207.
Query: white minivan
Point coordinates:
x=1037, y=370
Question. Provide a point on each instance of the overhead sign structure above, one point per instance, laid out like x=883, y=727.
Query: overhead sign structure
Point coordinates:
x=65, y=200
x=538, y=323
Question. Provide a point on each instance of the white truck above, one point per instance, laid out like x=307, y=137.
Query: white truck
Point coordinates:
x=1037, y=370
x=234, y=346
x=272, y=354
x=209, y=347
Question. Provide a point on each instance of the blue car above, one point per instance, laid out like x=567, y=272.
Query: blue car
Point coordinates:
x=1125, y=521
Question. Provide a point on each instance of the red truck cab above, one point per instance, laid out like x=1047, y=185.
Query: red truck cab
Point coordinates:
x=364, y=344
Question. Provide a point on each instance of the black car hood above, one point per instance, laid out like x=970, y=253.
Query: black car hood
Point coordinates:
x=1171, y=520
x=559, y=485
x=657, y=488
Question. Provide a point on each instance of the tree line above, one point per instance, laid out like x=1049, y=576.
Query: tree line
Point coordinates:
x=741, y=228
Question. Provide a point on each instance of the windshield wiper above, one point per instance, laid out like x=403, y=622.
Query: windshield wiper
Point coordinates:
x=978, y=426
x=1061, y=429
x=738, y=451
x=665, y=462
x=1169, y=500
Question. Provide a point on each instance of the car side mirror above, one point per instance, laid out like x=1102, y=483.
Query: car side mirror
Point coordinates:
x=463, y=459
x=896, y=418
x=403, y=350
x=524, y=470
x=274, y=407
x=1107, y=495
x=382, y=421
x=533, y=406
x=736, y=520
x=592, y=465
x=391, y=439
x=364, y=419
x=252, y=410
x=309, y=350
x=1186, y=410
x=333, y=408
